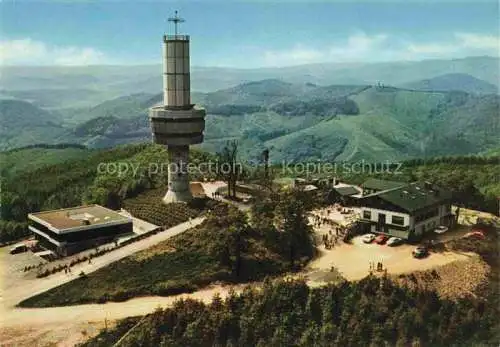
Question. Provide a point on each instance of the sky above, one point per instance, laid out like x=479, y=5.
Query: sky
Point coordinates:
x=246, y=34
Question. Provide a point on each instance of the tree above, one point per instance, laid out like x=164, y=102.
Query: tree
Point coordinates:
x=229, y=170
x=293, y=223
x=237, y=245
x=231, y=228
x=265, y=158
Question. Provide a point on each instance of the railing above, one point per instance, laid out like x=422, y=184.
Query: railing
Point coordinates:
x=176, y=37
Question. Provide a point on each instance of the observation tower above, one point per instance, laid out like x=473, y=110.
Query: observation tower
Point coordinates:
x=177, y=123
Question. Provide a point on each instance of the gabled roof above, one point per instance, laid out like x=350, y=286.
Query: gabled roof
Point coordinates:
x=374, y=183
x=347, y=190
x=414, y=196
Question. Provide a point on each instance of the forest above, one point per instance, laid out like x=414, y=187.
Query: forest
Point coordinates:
x=374, y=311
x=473, y=181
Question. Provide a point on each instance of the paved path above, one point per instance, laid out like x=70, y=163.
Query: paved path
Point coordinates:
x=30, y=287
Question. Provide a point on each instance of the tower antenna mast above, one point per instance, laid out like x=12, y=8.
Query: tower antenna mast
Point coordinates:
x=176, y=20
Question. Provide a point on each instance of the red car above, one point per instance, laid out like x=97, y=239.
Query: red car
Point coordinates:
x=478, y=234
x=381, y=239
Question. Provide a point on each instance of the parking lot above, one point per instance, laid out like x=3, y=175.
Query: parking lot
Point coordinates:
x=353, y=260
x=11, y=267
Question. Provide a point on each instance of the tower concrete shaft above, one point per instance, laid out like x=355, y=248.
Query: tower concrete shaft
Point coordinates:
x=177, y=123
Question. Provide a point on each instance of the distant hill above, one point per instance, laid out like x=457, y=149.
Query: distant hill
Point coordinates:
x=454, y=82
x=58, y=97
x=122, y=107
x=297, y=122
x=18, y=161
x=22, y=123
x=87, y=86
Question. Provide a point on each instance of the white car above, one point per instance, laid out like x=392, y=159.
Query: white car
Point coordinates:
x=368, y=238
x=441, y=229
x=394, y=241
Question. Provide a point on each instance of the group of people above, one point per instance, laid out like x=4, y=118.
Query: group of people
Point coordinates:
x=329, y=241
x=335, y=232
x=333, y=237
x=380, y=266
x=319, y=221
x=216, y=195
x=29, y=267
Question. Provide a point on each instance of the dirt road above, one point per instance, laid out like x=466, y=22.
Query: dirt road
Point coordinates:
x=69, y=325
x=14, y=292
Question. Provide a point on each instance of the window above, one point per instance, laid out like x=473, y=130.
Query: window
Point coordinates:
x=398, y=220
x=429, y=214
x=367, y=214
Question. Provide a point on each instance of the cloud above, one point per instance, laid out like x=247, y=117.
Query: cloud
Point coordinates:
x=431, y=48
x=361, y=47
x=486, y=42
x=356, y=45
x=297, y=55
x=30, y=52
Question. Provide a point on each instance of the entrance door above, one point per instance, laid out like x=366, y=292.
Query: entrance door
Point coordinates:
x=381, y=218
x=382, y=227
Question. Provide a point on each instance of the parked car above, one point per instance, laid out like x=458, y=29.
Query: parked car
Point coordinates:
x=368, y=238
x=420, y=252
x=394, y=241
x=441, y=229
x=20, y=248
x=381, y=239
x=479, y=234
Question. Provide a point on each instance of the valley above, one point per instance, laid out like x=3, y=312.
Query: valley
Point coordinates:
x=297, y=122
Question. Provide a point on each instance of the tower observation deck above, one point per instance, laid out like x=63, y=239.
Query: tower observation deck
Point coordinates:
x=177, y=123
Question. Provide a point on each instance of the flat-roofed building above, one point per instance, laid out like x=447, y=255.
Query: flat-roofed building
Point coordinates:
x=71, y=230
